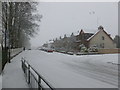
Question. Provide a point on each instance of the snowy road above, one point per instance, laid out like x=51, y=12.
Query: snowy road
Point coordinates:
x=71, y=71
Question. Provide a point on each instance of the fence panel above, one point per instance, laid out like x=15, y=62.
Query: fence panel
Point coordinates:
x=33, y=81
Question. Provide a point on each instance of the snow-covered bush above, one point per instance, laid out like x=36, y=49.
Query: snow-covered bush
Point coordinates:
x=81, y=45
x=93, y=49
x=84, y=49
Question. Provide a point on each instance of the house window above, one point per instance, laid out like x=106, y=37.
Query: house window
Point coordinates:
x=102, y=45
x=103, y=38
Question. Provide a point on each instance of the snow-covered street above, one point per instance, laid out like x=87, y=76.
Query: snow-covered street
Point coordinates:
x=67, y=71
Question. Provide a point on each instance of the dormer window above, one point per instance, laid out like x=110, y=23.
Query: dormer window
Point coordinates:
x=103, y=38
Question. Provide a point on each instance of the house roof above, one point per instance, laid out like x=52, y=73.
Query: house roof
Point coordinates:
x=97, y=33
x=91, y=36
x=85, y=35
x=87, y=30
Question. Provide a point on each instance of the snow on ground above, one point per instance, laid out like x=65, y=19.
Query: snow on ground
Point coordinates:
x=0, y=68
x=13, y=76
x=105, y=58
x=71, y=71
x=0, y=82
x=64, y=71
x=0, y=60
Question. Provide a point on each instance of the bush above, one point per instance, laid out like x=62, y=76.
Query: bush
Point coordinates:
x=93, y=49
x=84, y=49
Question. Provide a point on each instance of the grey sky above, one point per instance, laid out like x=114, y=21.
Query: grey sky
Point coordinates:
x=61, y=18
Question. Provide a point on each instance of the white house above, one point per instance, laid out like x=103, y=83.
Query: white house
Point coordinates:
x=101, y=39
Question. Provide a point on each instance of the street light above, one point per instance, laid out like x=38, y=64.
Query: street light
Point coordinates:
x=93, y=13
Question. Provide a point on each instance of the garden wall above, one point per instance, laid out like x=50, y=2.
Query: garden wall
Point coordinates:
x=109, y=51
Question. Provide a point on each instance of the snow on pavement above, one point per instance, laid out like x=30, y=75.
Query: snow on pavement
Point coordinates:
x=0, y=82
x=13, y=76
x=53, y=67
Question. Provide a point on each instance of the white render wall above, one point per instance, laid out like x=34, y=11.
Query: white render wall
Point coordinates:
x=97, y=40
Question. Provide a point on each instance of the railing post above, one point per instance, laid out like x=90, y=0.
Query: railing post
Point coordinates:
x=28, y=74
x=39, y=83
x=27, y=70
x=24, y=65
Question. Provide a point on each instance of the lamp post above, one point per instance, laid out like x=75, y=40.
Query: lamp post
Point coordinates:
x=97, y=20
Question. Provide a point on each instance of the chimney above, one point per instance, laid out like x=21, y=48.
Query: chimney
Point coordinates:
x=81, y=32
x=100, y=28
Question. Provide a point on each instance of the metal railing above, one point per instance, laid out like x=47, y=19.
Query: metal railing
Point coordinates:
x=33, y=78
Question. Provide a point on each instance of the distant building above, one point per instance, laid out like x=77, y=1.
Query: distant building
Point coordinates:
x=101, y=39
x=81, y=39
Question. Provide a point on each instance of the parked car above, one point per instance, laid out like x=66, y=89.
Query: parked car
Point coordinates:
x=63, y=51
x=50, y=50
x=70, y=53
x=78, y=53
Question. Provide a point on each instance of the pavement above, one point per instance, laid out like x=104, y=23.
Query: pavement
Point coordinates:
x=13, y=76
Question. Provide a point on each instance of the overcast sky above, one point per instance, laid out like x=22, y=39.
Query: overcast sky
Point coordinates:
x=61, y=18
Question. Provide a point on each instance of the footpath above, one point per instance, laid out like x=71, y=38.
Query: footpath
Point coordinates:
x=13, y=76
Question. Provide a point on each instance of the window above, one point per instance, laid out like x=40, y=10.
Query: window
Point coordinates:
x=103, y=38
x=102, y=45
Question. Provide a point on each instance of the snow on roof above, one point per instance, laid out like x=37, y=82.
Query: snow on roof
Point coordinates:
x=98, y=32
x=85, y=31
x=92, y=36
x=51, y=41
x=68, y=35
x=89, y=30
x=92, y=31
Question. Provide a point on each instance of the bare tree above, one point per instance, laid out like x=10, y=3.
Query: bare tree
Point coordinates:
x=18, y=23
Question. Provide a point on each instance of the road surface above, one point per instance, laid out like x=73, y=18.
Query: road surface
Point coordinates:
x=71, y=71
